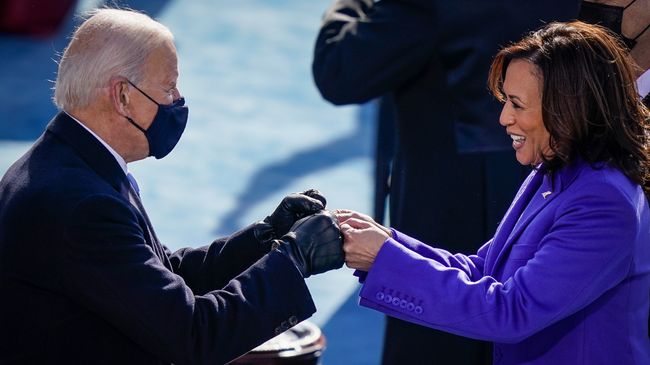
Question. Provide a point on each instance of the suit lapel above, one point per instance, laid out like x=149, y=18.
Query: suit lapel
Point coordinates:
x=90, y=150
x=145, y=223
x=104, y=164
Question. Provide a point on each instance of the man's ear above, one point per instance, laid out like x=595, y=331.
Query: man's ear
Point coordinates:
x=119, y=93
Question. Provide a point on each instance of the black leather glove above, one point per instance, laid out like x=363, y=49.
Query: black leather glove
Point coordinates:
x=292, y=207
x=314, y=244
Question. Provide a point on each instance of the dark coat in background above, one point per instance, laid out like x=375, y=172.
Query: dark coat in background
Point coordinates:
x=86, y=281
x=454, y=172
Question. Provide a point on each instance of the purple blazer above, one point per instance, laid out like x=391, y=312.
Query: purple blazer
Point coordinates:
x=564, y=280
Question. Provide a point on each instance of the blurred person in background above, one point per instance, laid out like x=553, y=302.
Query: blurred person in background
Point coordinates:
x=85, y=278
x=565, y=278
x=630, y=21
x=452, y=175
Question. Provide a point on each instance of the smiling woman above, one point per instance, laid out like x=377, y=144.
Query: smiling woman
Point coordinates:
x=568, y=269
x=587, y=97
x=522, y=113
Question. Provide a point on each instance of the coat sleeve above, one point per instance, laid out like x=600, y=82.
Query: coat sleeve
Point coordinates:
x=110, y=270
x=470, y=265
x=211, y=267
x=366, y=49
x=586, y=251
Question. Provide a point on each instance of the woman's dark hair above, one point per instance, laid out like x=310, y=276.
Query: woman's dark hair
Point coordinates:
x=590, y=105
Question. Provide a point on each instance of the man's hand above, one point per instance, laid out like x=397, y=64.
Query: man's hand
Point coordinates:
x=292, y=208
x=313, y=244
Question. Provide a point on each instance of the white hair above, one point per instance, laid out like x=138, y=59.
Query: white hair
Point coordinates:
x=109, y=43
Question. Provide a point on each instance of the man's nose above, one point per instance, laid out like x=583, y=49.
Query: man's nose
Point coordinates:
x=176, y=94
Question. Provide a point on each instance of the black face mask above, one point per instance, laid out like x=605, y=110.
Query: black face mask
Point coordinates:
x=167, y=127
x=608, y=16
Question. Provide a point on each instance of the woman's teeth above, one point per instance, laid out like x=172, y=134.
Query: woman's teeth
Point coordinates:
x=517, y=141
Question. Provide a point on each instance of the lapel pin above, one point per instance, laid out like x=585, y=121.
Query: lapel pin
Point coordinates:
x=546, y=193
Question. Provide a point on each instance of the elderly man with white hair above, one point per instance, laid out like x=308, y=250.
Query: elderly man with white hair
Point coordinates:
x=84, y=278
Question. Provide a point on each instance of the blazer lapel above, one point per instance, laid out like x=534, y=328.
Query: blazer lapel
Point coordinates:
x=550, y=188
x=528, y=187
x=541, y=197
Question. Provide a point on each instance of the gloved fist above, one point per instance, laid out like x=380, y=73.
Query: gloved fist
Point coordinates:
x=314, y=244
x=292, y=207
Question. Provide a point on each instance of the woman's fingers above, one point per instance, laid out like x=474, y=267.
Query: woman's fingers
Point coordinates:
x=357, y=223
x=344, y=214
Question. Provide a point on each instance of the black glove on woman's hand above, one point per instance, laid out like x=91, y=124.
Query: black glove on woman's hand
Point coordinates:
x=314, y=244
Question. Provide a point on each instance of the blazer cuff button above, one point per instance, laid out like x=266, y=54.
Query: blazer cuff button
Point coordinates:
x=388, y=298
